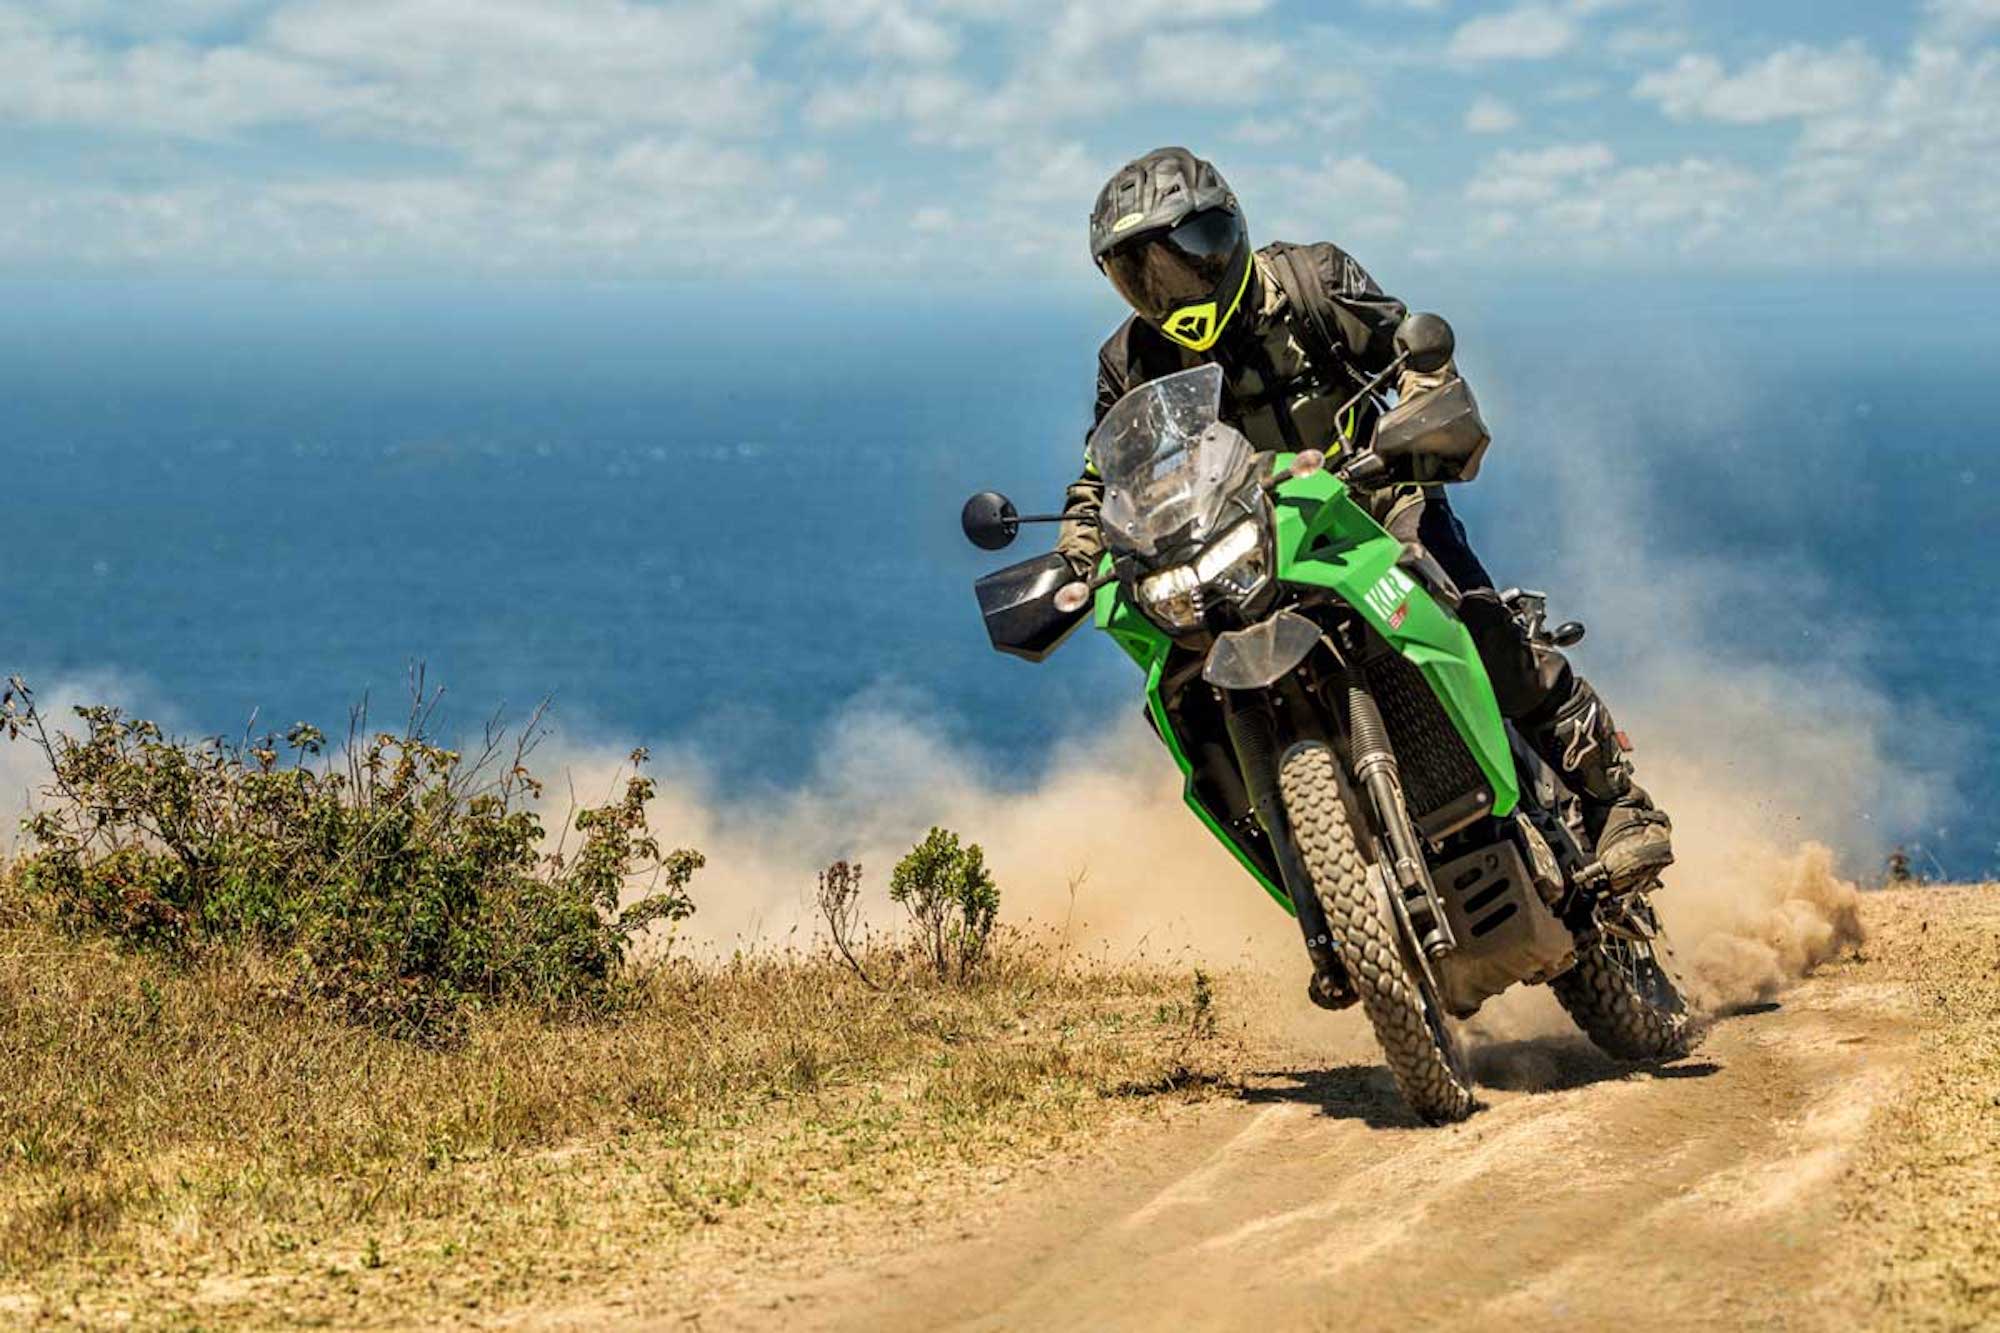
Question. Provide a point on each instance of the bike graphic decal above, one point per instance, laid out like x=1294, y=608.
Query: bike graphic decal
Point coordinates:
x=1388, y=596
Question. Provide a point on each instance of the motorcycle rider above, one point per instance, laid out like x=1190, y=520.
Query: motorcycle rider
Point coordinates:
x=1297, y=331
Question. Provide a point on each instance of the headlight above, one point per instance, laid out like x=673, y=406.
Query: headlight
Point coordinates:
x=1173, y=597
x=1234, y=563
x=1232, y=567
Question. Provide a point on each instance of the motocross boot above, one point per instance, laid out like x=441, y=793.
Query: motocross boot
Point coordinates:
x=1633, y=838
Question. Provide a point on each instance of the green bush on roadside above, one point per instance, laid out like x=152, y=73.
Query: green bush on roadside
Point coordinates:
x=401, y=882
x=951, y=899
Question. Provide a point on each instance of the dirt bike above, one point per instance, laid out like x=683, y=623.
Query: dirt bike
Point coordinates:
x=1334, y=725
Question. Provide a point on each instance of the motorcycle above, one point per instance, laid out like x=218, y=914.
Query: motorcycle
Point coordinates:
x=1333, y=724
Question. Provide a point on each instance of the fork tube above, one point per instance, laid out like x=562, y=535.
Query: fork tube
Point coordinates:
x=1375, y=766
x=1253, y=734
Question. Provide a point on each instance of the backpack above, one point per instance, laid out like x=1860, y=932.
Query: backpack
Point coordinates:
x=1317, y=325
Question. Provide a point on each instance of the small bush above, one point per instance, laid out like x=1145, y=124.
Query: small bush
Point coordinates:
x=401, y=882
x=839, y=900
x=951, y=899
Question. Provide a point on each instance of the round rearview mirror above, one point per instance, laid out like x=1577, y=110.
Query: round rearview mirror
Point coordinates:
x=1426, y=342
x=990, y=521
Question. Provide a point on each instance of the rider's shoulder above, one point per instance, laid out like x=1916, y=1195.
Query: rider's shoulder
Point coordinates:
x=1339, y=272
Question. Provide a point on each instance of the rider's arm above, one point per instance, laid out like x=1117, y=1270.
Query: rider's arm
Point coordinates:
x=1368, y=318
x=1080, y=542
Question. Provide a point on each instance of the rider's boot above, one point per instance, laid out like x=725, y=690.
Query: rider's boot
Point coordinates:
x=1632, y=837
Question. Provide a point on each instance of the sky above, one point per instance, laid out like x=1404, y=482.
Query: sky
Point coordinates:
x=960, y=140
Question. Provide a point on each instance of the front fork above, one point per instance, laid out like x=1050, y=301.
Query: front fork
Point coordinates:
x=1253, y=734
x=1374, y=763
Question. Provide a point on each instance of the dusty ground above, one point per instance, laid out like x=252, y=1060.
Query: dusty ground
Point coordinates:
x=1830, y=1159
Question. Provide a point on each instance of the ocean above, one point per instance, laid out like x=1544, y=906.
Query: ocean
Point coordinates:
x=710, y=519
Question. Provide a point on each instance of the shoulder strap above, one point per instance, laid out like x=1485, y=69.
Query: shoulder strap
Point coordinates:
x=1306, y=289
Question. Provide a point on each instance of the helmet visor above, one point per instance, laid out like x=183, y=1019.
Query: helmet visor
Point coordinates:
x=1167, y=271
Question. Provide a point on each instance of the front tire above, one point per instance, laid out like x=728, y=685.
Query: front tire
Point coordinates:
x=1627, y=999
x=1422, y=1052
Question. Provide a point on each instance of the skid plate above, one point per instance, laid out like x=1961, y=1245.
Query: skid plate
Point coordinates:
x=1506, y=934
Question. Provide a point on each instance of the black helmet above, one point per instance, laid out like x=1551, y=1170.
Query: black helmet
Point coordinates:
x=1169, y=234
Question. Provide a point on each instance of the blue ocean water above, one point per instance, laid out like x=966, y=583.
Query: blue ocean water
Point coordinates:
x=710, y=517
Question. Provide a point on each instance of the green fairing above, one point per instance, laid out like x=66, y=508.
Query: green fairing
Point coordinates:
x=1326, y=540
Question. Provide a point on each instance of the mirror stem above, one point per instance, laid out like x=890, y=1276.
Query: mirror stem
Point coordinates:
x=1370, y=387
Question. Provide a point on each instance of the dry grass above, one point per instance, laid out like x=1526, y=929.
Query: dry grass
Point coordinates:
x=177, y=1145
x=1924, y=1196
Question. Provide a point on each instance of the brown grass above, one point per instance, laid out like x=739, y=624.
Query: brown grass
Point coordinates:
x=178, y=1145
x=1924, y=1196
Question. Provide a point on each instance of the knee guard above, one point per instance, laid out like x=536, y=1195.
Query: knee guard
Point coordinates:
x=1583, y=744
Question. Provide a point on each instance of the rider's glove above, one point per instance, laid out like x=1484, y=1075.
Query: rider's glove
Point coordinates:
x=1412, y=384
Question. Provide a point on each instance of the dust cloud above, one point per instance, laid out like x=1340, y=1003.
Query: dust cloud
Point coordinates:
x=1099, y=847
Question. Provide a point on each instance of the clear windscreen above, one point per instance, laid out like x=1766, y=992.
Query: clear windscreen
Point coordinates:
x=1165, y=472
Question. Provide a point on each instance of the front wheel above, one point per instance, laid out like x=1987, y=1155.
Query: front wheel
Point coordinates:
x=1625, y=995
x=1422, y=1052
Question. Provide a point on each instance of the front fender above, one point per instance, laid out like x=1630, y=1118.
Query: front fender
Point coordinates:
x=1250, y=659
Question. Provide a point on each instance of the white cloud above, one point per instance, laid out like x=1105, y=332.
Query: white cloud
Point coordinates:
x=666, y=207
x=886, y=29
x=1685, y=205
x=1534, y=176
x=926, y=100
x=1963, y=18
x=1911, y=169
x=491, y=76
x=1577, y=203
x=1263, y=130
x=1575, y=90
x=1531, y=32
x=652, y=136
x=1797, y=81
x=123, y=18
x=1644, y=41
x=1490, y=115
x=1889, y=165
x=163, y=88
x=1347, y=197
x=1204, y=67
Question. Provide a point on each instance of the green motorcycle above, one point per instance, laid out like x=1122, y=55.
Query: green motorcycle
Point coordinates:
x=1334, y=725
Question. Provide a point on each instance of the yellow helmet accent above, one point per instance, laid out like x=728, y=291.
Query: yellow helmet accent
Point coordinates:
x=1129, y=220
x=1192, y=326
x=1196, y=327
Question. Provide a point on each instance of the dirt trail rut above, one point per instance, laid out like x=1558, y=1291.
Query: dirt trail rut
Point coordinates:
x=1696, y=1195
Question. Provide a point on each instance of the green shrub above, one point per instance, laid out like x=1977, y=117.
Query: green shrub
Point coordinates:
x=402, y=883
x=951, y=899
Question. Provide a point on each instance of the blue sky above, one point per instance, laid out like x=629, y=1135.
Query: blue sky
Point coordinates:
x=959, y=139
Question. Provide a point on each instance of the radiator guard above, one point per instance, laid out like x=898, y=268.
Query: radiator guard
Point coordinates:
x=1442, y=783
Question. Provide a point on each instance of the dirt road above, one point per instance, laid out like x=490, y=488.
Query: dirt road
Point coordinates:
x=1714, y=1193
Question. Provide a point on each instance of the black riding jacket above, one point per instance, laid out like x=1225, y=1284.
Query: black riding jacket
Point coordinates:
x=1272, y=390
